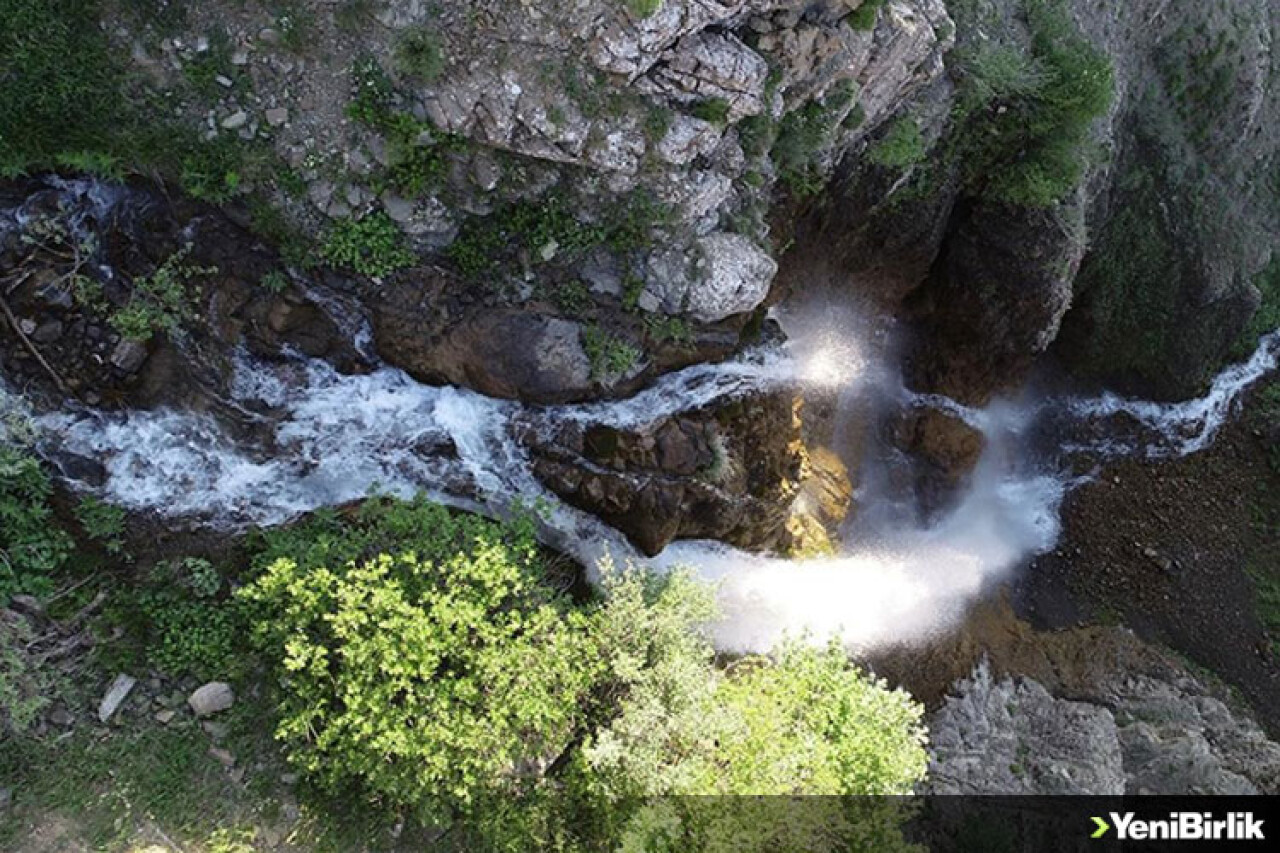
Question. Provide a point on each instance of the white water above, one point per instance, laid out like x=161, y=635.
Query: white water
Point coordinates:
x=337, y=437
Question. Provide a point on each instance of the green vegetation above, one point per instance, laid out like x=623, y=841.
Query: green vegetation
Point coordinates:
x=418, y=54
x=103, y=523
x=864, y=17
x=902, y=146
x=371, y=246
x=32, y=547
x=714, y=110
x=160, y=302
x=1267, y=317
x=802, y=137
x=664, y=329
x=188, y=629
x=427, y=658
x=611, y=357
x=546, y=229
x=1022, y=119
x=644, y=8
x=59, y=84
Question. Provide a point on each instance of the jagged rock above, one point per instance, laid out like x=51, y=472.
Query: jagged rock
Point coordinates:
x=720, y=472
x=115, y=695
x=211, y=698
x=128, y=356
x=712, y=66
x=1124, y=732
x=725, y=274
x=627, y=44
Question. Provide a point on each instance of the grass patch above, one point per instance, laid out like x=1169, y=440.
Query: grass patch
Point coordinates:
x=371, y=246
x=902, y=147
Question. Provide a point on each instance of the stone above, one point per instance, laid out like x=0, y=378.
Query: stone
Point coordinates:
x=267, y=35
x=6, y=797
x=128, y=356
x=47, y=333
x=235, y=121
x=277, y=116
x=724, y=274
x=211, y=698
x=116, y=694
x=225, y=758
x=163, y=717
x=61, y=717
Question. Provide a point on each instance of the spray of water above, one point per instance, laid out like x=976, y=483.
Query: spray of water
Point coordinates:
x=334, y=437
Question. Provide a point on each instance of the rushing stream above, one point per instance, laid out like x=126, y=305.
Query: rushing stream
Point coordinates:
x=324, y=438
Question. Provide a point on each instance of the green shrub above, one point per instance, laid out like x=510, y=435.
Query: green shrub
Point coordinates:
x=664, y=329
x=373, y=94
x=903, y=146
x=26, y=687
x=160, y=302
x=32, y=546
x=714, y=110
x=437, y=672
x=418, y=54
x=644, y=8
x=864, y=17
x=372, y=246
x=189, y=628
x=103, y=523
x=1022, y=119
x=611, y=357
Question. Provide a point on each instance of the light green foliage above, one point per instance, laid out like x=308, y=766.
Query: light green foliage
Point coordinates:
x=160, y=302
x=611, y=357
x=437, y=671
x=644, y=8
x=418, y=54
x=371, y=246
x=902, y=147
x=32, y=546
x=103, y=523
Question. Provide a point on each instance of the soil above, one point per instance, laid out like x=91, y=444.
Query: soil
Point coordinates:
x=1167, y=548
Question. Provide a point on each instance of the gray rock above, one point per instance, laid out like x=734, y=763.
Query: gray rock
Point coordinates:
x=235, y=121
x=712, y=66
x=128, y=356
x=724, y=274
x=211, y=698
x=115, y=695
x=277, y=116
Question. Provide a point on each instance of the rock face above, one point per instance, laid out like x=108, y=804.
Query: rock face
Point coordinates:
x=1129, y=734
x=717, y=473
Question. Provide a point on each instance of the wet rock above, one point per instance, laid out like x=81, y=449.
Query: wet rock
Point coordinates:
x=47, y=332
x=115, y=695
x=211, y=698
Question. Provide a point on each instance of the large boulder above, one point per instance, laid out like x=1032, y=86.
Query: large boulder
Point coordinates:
x=725, y=274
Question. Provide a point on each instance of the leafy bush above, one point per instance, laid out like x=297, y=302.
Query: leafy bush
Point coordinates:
x=32, y=547
x=437, y=671
x=864, y=17
x=611, y=357
x=418, y=54
x=901, y=147
x=102, y=522
x=1023, y=118
x=159, y=302
x=714, y=110
x=371, y=246
x=189, y=629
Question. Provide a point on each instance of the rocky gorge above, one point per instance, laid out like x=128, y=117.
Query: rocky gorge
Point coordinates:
x=832, y=299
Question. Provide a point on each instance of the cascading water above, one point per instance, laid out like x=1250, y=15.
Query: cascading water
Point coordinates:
x=319, y=437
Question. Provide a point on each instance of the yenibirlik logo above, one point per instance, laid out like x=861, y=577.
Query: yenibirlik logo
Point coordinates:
x=1183, y=826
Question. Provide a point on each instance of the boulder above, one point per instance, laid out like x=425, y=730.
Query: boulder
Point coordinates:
x=115, y=696
x=721, y=275
x=211, y=698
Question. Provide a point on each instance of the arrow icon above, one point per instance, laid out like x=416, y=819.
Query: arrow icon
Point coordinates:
x=1103, y=826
